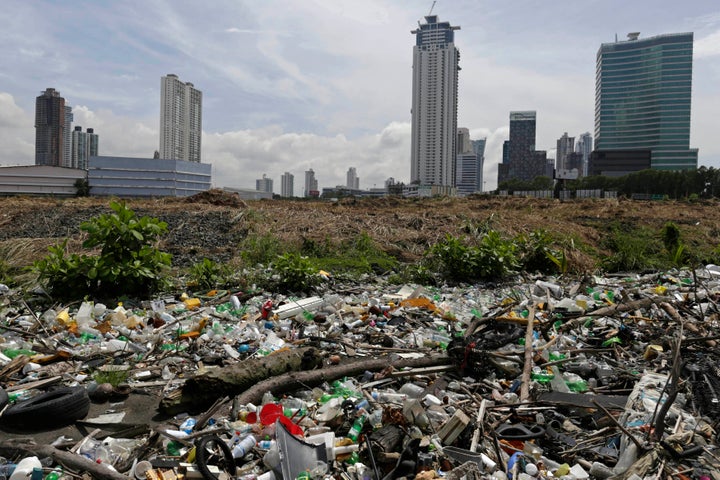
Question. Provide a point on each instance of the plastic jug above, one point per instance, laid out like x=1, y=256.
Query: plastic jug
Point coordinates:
x=25, y=467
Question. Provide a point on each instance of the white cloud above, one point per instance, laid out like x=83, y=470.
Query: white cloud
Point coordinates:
x=708, y=46
x=17, y=133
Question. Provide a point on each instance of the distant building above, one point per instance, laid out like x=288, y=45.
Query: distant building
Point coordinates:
x=67, y=140
x=584, y=146
x=50, y=118
x=434, y=103
x=468, y=169
x=180, y=120
x=642, y=98
x=40, y=180
x=618, y=163
x=352, y=181
x=565, y=146
x=311, y=184
x=264, y=184
x=522, y=161
x=147, y=177
x=287, y=187
x=84, y=146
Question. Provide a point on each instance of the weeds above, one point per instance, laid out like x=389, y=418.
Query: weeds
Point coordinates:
x=295, y=273
x=127, y=263
x=207, y=274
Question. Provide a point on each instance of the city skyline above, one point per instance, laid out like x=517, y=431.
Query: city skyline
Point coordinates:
x=327, y=85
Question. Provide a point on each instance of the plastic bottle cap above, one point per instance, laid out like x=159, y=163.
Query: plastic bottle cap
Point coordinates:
x=531, y=469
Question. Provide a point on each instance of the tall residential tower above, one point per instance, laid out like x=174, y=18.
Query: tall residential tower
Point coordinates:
x=50, y=135
x=180, y=120
x=434, y=103
x=642, y=99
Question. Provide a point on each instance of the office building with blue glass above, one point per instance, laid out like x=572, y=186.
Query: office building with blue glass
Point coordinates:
x=642, y=99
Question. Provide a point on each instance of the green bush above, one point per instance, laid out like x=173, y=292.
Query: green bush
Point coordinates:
x=631, y=250
x=536, y=253
x=492, y=257
x=295, y=273
x=127, y=264
x=206, y=274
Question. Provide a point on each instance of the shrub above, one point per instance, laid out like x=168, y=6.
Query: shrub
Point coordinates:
x=536, y=253
x=492, y=257
x=295, y=272
x=127, y=264
x=206, y=274
x=633, y=250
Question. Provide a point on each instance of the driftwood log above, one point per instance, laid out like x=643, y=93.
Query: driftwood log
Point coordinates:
x=282, y=372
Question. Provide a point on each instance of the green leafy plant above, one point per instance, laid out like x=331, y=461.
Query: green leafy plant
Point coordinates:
x=112, y=376
x=295, y=272
x=536, y=253
x=206, y=274
x=127, y=263
x=631, y=250
x=259, y=249
x=492, y=257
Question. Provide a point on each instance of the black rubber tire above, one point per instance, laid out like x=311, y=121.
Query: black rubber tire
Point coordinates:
x=55, y=408
x=206, y=453
x=3, y=398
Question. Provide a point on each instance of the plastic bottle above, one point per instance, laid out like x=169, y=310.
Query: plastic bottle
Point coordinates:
x=55, y=474
x=356, y=428
x=244, y=446
x=7, y=470
x=188, y=425
x=24, y=468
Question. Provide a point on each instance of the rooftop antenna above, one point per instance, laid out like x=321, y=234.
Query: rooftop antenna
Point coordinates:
x=431, y=8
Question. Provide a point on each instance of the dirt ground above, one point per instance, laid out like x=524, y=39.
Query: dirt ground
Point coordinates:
x=213, y=223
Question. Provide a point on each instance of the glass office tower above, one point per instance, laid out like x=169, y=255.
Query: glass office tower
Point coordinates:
x=642, y=98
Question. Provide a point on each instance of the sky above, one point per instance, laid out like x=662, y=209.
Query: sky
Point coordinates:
x=290, y=85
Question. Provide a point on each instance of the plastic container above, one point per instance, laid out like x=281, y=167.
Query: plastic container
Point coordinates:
x=244, y=447
x=24, y=468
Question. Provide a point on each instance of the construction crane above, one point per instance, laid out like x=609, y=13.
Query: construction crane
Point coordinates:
x=431, y=8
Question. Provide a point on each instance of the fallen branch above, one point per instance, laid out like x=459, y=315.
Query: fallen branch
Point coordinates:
x=294, y=380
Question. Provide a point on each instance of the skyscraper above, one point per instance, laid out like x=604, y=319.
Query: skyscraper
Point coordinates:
x=49, y=128
x=311, y=184
x=469, y=166
x=180, y=120
x=565, y=146
x=84, y=146
x=434, y=103
x=642, y=98
x=287, y=187
x=523, y=162
x=584, y=147
x=264, y=184
x=67, y=138
x=352, y=180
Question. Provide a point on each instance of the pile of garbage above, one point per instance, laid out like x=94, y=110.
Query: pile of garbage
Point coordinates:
x=612, y=377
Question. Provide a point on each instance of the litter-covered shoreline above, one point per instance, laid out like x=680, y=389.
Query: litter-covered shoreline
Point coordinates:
x=542, y=377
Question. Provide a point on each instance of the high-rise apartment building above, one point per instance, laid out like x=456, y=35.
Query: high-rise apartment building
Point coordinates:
x=67, y=140
x=523, y=162
x=84, y=146
x=565, y=146
x=584, y=147
x=469, y=167
x=264, y=184
x=287, y=185
x=180, y=120
x=352, y=180
x=434, y=103
x=50, y=127
x=311, y=184
x=642, y=98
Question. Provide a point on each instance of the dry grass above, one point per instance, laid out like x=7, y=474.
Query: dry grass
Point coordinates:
x=402, y=227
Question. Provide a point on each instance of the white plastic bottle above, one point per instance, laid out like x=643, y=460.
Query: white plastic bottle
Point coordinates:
x=25, y=467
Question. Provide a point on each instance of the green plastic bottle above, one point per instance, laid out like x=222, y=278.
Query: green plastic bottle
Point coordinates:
x=54, y=475
x=356, y=428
